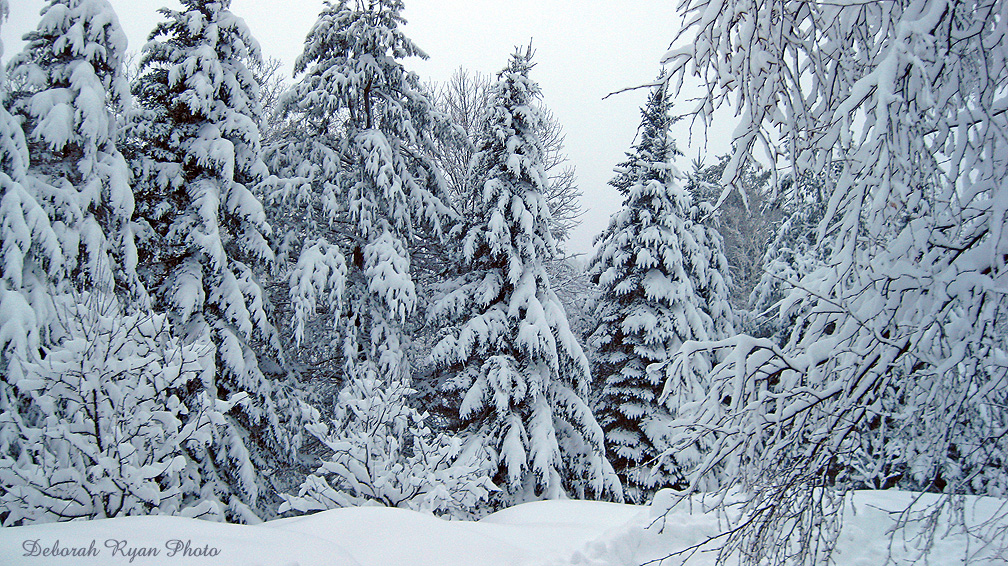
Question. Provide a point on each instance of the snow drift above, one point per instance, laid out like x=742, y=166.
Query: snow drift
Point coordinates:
x=551, y=533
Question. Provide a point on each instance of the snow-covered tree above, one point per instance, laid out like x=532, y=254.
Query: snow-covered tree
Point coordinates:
x=31, y=249
x=73, y=90
x=794, y=252
x=303, y=203
x=507, y=351
x=662, y=277
x=103, y=432
x=31, y=254
x=901, y=333
x=65, y=214
x=383, y=452
x=746, y=219
x=358, y=174
x=196, y=156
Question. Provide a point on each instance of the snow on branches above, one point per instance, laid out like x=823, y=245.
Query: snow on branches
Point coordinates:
x=895, y=365
x=384, y=453
x=358, y=157
x=30, y=249
x=194, y=144
x=106, y=428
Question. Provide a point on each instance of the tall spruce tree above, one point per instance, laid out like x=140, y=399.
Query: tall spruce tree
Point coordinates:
x=31, y=255
x=361, y=166
x=197, y=158
x=508, y=351
x=31, y=250
x=74, y=88
x=64, y=214
x=90, y=424
x=662, y=277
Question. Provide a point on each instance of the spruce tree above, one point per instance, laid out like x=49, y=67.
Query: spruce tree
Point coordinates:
x=355, y=175
x=31, y=249
x=74, y=88
x=360, y=165
x=31, y=255
x=91, y=424
x=197, y=158
x=662, y=277
x=64, y=214
x=507, y=350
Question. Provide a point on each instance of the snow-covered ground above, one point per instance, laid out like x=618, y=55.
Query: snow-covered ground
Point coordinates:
x=555, y=533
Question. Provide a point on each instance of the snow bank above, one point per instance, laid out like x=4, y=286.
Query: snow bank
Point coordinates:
x=551, y=533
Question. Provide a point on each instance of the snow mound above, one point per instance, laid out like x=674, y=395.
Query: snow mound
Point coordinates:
x=379, y=536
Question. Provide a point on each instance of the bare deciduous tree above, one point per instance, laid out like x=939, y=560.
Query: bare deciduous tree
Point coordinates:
x=272, y=84
x=746, y=224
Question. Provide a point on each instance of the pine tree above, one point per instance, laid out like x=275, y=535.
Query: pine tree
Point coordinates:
x=31, y=249
x=197, y=158
x=361, y=166
x=662, y=277
x=508, y=350
x=74, y=89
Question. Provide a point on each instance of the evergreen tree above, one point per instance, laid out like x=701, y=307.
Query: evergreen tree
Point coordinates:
x=31, y=256
x=196, y=155
x=361, y=166
x=662, y=276
x=508, y=351
x=64, y=219
x=31, y=249
x=646, y=159
x=74, y=88
x=464, y=98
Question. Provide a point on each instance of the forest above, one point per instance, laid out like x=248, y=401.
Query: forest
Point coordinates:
x=234, y=297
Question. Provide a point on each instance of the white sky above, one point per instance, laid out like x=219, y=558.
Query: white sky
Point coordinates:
x=584, y=50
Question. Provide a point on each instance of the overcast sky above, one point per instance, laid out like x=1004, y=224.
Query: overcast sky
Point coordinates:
x=584, y=50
